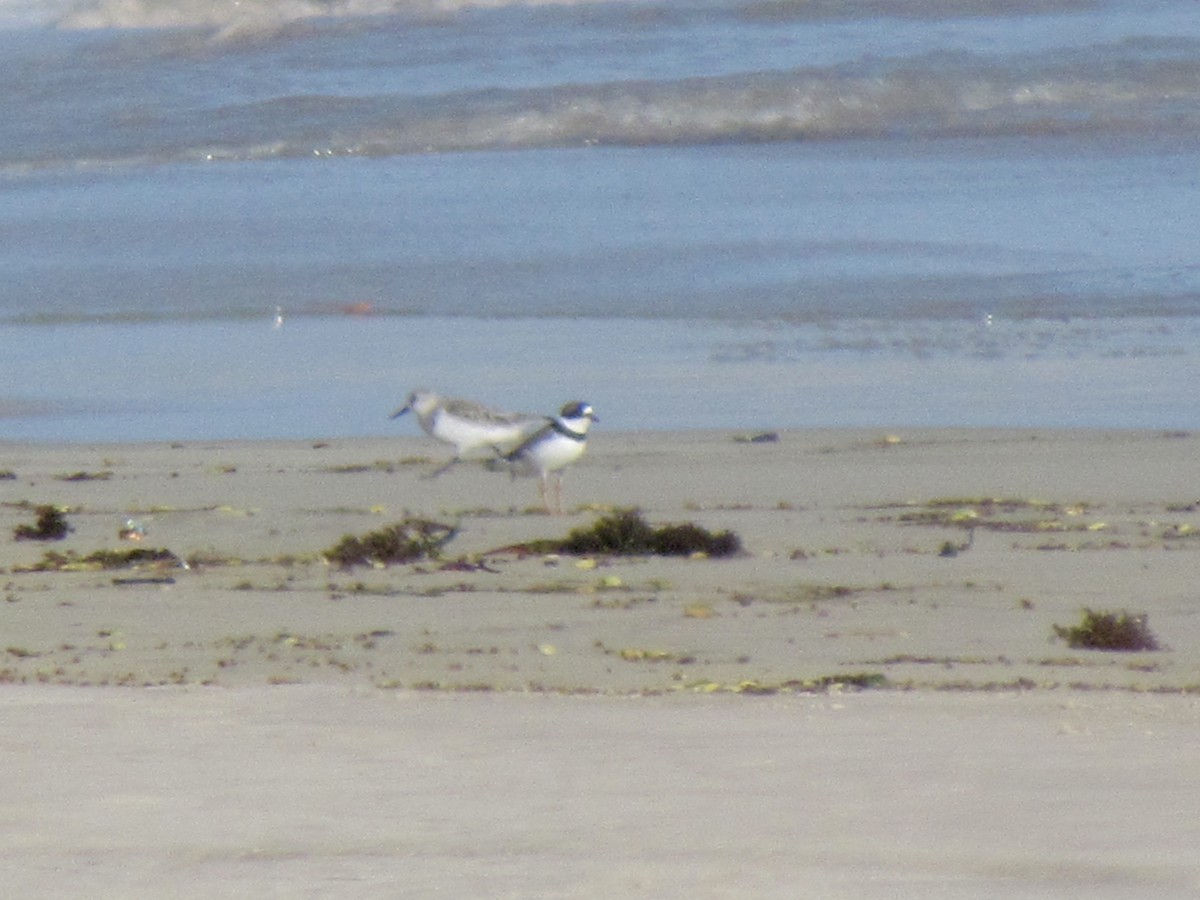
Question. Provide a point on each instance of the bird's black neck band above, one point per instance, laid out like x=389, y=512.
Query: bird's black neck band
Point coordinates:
x=562, y=429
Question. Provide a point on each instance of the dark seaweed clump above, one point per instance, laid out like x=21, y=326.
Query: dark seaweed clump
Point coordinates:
x=108, y=559
x=856, y=681
x=626, y=533
x=1119, y=631
x=51, y=526
x=404, y=542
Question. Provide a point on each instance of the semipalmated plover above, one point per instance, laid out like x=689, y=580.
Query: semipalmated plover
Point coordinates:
x=549, y=450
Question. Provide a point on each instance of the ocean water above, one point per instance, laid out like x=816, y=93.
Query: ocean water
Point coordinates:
x=250, y=219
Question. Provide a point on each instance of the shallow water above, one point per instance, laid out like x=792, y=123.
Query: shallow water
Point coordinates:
x=342, y=376
x=722, y=213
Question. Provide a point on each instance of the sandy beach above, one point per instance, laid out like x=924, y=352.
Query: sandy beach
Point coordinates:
x=870, y=700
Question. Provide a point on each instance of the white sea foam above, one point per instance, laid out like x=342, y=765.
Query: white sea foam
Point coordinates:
x=236, y=15
x=27, y=13
x=230, y=19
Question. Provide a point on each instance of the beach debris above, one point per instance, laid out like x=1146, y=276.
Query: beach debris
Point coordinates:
x=8, y=475
x=623, y=602
x=85, y=476
x=642, y=654
x=1112, y=631
x=132, y=530
x=51, y=525
x=463, y=564
x=763, y=437
x=996, y=514
x=952, y=548
x=626, y=533
x=608, y=583
x=825, y=684
x=407, y=541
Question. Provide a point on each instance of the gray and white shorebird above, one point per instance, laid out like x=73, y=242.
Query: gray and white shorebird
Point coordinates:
x=548, y=451
x=468, y=425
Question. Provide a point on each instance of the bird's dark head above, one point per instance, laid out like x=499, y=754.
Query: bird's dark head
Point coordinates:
x=577, y=409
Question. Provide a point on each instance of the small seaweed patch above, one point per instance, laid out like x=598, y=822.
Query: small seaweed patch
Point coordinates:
x=106, y=560
x=763, y=437
x=998, y=514
x=858, y=681
x=85, y=476
x=625, y=533
x=404, y=542
x=51, y=525
x=1113, y=631
x=817, y=593
x=643, y=654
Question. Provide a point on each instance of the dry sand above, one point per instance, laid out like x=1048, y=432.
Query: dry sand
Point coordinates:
x=495, y=724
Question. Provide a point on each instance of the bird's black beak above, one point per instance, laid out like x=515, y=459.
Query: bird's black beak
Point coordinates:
x=401, y=411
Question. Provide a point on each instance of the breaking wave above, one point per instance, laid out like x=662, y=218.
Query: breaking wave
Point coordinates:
x=1102, y=91
x=242, y=18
